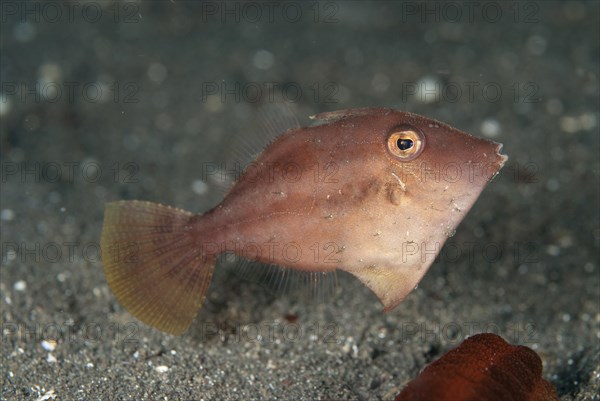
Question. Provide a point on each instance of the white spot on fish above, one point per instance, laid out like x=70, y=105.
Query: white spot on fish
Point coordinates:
x=400, y=182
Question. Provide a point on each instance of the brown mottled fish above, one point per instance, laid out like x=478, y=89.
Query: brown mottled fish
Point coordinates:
x=374, y=192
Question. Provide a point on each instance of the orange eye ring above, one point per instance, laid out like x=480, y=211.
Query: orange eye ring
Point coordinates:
x=406, y=143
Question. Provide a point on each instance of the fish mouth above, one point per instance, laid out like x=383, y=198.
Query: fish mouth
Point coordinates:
x=503, y=158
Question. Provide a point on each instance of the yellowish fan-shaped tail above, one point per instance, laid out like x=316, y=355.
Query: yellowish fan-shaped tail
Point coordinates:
x=153, y=265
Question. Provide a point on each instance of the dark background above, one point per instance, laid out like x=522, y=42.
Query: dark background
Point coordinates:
x=104, y=101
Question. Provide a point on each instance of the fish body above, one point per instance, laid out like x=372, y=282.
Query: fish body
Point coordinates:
x=374, y=192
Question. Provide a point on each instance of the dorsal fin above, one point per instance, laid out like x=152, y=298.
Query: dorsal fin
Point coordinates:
x=273, y=119
x=267, y=122
x=340, y=114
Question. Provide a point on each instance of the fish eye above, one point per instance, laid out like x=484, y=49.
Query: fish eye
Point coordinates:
x=406, y=143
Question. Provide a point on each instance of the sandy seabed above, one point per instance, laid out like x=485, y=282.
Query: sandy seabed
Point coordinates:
x=145, y=100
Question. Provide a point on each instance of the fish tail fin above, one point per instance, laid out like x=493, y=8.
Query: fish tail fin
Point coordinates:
x=153, y=264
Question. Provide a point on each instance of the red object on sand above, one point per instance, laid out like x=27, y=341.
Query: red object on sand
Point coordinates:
x=483, y=368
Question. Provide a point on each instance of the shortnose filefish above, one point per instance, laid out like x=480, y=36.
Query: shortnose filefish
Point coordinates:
x=373, y=192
